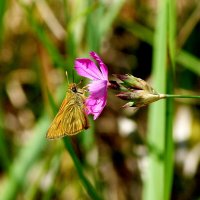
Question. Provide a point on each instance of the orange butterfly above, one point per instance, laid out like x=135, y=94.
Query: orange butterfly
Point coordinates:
x=71, y=117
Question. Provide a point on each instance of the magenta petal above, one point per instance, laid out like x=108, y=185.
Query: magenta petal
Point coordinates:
x=96, y=101
x=95, y=106
x=87, y=68
x=98, y=88
x=103, y=67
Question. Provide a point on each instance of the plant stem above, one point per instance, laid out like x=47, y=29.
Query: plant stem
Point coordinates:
x=86, y=183
x=180, y=96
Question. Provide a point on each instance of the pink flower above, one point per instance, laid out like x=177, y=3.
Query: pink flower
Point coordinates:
x=85, y=67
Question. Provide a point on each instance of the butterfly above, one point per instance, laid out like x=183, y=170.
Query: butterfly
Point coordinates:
x=71, y=117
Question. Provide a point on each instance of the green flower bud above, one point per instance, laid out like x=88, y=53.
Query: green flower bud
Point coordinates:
x=135, y=90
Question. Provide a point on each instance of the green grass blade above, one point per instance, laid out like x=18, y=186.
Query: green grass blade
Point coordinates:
x=93, y=30
x=108, y=18
x=140, y=31
x=75, y=14
x=26, y=158
x=154, y=182
x=169, y=145
x=48, y=44
x=171, y=32
x=182, y=57
x=188, y=26
x=189, y=61
x=2, y=12
x=99, y=22
x=169, y=153
x=87, y=185
x=40, y=32
x=4, y=156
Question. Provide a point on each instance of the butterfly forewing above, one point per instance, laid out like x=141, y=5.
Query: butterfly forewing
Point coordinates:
x=71, y=118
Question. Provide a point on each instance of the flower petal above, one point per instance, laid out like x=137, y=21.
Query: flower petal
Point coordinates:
x=98, y=89
x=95, y=106
x=96, y=101
x=87, y=68
x=102, y=66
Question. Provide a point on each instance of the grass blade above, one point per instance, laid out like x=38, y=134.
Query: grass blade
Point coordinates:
x=189, y=61
x=5, y=162
x=182, y=57
x=169, y=145
x=2, y=12
x=85, y=182
x=26, y=158
x=108, y=18
x=57, y=59
x=156, y=131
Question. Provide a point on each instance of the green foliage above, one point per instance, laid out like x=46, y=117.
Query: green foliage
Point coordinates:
x=156, y=131
x=98, y=162
x=27, y=157
x=2, y=12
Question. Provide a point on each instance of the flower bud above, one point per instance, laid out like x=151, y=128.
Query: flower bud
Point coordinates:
x=135, y=90
x=132, y=82
x=117, y=86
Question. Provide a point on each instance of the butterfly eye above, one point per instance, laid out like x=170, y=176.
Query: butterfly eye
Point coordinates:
x=74, y=89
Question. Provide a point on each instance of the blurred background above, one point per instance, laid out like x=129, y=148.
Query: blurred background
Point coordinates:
x=39, y=41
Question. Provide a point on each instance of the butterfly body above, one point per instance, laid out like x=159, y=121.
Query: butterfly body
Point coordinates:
x=71, y=117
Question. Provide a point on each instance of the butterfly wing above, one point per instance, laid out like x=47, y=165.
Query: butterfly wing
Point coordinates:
x=75, y=120
x=71, y=118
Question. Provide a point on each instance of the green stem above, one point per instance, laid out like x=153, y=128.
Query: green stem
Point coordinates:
x=87, y=185
x=181, y=96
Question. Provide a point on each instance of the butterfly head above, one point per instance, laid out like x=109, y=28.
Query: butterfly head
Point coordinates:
x=73, y=87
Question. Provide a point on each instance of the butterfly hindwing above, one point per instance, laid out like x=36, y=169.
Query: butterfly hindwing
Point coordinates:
x=75, y=120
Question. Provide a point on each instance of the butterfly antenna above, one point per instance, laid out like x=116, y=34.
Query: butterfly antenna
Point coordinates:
x=67, y=77
x=80, y=82
x=73, y=76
